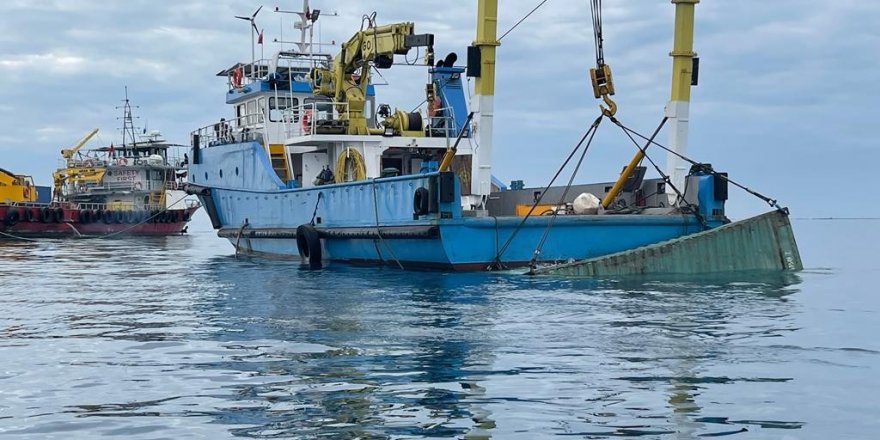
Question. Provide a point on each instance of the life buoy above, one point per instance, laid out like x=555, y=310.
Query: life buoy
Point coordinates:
x=420, y=201
x=237, y=75
x=137, y=186
x=26, y=192
x=121, y=160
x=306, y=121
x=308, y=243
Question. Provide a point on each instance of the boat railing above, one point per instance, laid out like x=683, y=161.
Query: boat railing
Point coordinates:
x=86, y=162
x=188, y=204
x=28, y=204
x=242, y=129
x=324, y=118
x=291, y=66
x=321, y=117
x=176, y=161
x=127, y=186
x=250, y=72
x=442, y=124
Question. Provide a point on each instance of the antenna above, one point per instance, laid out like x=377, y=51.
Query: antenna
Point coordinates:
x=127, y=120
x=254, y=30
x=307, y=19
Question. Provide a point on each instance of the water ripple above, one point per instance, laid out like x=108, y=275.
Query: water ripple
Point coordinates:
x=171, y=338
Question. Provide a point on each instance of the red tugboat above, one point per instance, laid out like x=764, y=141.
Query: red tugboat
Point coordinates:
x=132, y=189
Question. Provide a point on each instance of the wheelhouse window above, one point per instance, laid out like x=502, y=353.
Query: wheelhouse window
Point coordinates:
x=251, y=112
x=283, y=108
x=261, y=110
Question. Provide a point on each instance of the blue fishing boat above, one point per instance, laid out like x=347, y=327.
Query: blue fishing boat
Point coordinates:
x=312, y=164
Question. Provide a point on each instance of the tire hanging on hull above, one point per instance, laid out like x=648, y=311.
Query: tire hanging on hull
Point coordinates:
x=308, y=243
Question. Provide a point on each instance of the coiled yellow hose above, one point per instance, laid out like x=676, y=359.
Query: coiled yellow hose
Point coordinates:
x=350, y=166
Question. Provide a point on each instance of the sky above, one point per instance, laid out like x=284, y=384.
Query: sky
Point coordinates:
x=786, y=102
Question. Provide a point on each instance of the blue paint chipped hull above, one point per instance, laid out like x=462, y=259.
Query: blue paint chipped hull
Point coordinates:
x=372, y=221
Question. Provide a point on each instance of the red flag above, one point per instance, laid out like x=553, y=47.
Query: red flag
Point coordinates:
x=110, y=150
x=260, y=38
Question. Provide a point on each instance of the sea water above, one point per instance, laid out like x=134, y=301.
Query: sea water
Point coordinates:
x=176, y=338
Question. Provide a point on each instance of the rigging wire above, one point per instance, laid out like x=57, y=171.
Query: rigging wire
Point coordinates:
x=679, y=194
x=497, y=264
x=540, y=246
x=379, y=230
x=596, y=12
x=522, y=19
x=703, y=167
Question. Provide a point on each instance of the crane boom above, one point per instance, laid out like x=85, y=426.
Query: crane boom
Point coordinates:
x=67, y=153
x=347, y=78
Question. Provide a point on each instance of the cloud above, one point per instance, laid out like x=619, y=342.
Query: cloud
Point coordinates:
x=785, y=103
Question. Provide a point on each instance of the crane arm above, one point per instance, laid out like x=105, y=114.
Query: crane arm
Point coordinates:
x=379, y=44
x=347, y=78
x=67, y=153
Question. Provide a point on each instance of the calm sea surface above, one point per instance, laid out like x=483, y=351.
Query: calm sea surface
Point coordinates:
x=175, y=338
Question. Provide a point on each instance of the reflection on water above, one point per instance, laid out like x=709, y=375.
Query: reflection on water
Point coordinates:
x=163, y=338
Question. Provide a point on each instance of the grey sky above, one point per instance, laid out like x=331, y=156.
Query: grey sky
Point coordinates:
x=785, y=102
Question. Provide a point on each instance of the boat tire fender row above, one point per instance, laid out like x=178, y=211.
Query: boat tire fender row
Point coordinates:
x=308, y=243
x=420, y=202
x=29, y=215
x=85, y=216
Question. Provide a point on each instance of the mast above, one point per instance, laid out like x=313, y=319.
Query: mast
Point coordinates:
x=678, y=108
x=127, y=122
x=484, y=91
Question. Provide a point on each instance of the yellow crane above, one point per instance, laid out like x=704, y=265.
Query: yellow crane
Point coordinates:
x=74, y=172
x=348, y=76
x=68, y=153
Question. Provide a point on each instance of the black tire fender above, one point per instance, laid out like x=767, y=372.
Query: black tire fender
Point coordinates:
x=12, y=217
x=45, y=215
x=308, y=243
x=420, y=201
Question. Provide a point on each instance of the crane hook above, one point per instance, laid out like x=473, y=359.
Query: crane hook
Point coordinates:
x=612, y=106
x=603, y=87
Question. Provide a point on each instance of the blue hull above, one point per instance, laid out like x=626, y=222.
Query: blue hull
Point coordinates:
x=372, y=221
